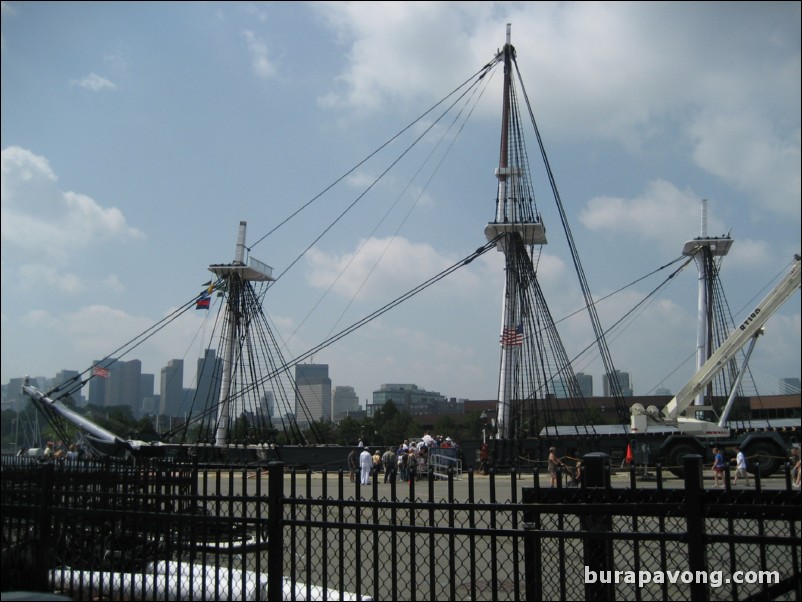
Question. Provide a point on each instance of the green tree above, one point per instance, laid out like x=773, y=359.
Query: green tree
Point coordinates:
x=324, y=430
x=240, y=430
x=392, y=425
x=348, y=431
x=446, y=426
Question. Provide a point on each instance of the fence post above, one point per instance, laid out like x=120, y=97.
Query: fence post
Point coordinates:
x=275, y=535
x=43, y=560
x=597, y=549
x=695, y=521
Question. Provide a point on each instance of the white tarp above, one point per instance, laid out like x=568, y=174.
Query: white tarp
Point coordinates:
x=169, y=580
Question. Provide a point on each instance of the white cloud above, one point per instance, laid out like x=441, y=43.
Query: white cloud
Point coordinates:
x=623, y=72
x=657, y=215
x=404, y=265
x=746, y=151
x=46, y=277
x=94, y=83
x=46, y=222
x=262, y=65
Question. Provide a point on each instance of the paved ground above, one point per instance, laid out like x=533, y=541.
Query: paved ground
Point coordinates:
x=313, y=485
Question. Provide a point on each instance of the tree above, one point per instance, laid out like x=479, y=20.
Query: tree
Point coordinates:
x=392, y=425
x=348, y=431
x=325, y=429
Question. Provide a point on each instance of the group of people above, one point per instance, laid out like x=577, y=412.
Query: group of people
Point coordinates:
x=408, y=462
x=719, y=466
x=52, y=452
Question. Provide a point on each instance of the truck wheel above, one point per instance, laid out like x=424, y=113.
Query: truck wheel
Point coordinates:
x=764, y=458
x=675, y=458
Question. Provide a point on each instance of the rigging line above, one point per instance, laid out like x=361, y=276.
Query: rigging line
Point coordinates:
x=372, y=316
x=417, y=200
x=371, y=185
x=628, y=313
x=473, y=79
x=626, y=286
x=136, y=341
x=594, y=318
x=637, y=305
x=220, y=312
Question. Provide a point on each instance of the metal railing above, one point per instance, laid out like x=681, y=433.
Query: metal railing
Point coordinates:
x=183, y=531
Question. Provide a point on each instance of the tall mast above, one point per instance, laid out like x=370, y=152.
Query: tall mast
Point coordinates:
x=703, y=250
x=237, y=276
x=510, y=220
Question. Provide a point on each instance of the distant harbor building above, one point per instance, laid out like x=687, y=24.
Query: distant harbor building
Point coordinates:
x=662, y=391
x=623, y=380
x=117, y=383
x=129, y=393
x=313, y=391
x=416, y=401
x=344, y=402
x=13, y=397
x=789, y=386
x=99, y=384
x=208, y=379
x=585, y=382
x=268, y=403
x=147, y=390
x=172, y=388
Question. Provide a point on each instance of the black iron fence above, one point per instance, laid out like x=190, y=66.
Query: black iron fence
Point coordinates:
x=160, y=531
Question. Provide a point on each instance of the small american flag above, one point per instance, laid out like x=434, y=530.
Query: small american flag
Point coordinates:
x=101, y=372
x=513, y=336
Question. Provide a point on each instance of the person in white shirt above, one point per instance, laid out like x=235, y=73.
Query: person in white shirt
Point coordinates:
x=365, y=466
x=740, y=466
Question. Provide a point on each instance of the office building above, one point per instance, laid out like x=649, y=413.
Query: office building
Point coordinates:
x=313, y=393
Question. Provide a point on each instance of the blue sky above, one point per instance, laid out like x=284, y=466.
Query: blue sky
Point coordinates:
x=136, y=136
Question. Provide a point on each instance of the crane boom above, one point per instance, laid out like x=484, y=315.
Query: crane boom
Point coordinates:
x=102, y=440
x=748, y=328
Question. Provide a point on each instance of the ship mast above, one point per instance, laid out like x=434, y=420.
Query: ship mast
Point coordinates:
x=237, y=275
x=512, y=219
x=703, y=250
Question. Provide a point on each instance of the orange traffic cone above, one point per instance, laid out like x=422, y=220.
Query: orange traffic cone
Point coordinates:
x=630, y=458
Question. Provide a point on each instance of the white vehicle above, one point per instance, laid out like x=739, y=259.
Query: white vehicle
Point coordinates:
x=765, y=448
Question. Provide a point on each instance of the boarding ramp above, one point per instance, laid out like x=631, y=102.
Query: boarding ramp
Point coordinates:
x=444, y=459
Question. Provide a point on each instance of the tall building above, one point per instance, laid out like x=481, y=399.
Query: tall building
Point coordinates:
x=130, y=393
x=344, y=401
x=172, y=388
x=313, y=387
x=147, y=384
x=98, y=384
x=209, y=377
x=585, y=382
x=623, y=380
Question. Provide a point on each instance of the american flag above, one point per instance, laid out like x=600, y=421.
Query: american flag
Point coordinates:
x=101, y=372
x=513, y=336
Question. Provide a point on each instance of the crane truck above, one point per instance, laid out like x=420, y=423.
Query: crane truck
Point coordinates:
x=685, y=424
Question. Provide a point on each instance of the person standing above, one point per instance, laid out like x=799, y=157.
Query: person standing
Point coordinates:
x=740, y=466
x=718, y=468
x=353, y=465
x=403, y=456
x=390, y=462
x=377, y=464
x=365, y=466
x=554, y=465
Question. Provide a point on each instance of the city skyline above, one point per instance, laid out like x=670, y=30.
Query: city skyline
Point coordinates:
x=136, y=136
x=788, y=385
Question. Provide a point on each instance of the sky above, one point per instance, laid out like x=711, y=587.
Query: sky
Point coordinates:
x=136, y=136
